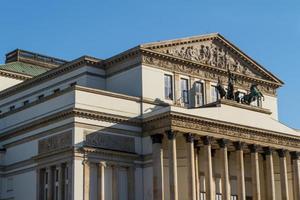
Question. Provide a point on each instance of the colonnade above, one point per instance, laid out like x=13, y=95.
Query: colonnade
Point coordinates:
x=101, y=167
x=193, y=148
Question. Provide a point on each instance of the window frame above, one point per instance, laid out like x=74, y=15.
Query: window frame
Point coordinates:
x=199, y=94
x=168, y=88
x=184, y=93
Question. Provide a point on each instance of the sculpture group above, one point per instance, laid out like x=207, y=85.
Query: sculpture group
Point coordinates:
x=230, y=94
x=210, y=55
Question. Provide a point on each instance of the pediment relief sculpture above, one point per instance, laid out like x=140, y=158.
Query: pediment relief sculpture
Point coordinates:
x=213, y=55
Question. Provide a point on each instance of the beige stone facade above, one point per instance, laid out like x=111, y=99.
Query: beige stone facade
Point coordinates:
x=146, y=124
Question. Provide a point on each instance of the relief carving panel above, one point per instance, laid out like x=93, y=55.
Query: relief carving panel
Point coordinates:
x=55, y=142
x=109, y=141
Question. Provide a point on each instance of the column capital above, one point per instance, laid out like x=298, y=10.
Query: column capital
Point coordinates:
x=268, y=151
x=239, y=145
x=102, y=164
x=253, y=148
x=281, y=153
x=222, y=142
x=157, y=138
x=171, y=134
x=206, y=140
x=189, y=137
x=295, y=155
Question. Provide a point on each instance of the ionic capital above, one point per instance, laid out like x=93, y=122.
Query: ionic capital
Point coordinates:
x=281, y=153
x=189, y=137
x=206, y=140
x=157, y=138
x=102, y=164
x=295, y=155
x=268, y=151
x=253, y=148
x=171, y=134
x=222, y=143
x=238, y=145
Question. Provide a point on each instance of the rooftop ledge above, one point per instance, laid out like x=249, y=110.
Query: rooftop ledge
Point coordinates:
x=238, y=105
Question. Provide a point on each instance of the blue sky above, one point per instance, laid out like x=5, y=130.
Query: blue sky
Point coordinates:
x=268, y=31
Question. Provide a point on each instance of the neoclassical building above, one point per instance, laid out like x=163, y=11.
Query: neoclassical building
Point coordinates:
x=185, y=119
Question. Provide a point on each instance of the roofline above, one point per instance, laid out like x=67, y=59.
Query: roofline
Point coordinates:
x=212, y=36
x=83, y=60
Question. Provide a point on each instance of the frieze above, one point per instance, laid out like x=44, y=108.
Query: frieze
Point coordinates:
x=55, y=142
x=109, y=141
x=204, y=73
x=210, y=54
x=202, y=125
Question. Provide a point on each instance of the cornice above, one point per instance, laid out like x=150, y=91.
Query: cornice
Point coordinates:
x=175, y=60
x=199, y=125
x=210, y=37
x=82, y=61
x=14, y=75
x=65, y=114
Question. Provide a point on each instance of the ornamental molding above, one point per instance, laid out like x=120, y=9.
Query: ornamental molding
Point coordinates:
x=14, y=75
x=69, y=113
x=204, y=71
x=214, y=50
x=203, y=126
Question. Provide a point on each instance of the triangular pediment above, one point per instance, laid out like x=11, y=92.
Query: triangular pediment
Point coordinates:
x=215, y=51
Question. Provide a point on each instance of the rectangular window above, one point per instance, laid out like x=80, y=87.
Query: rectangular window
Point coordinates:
x=41, y=96
x=56, y=90
x=9, y=184
x=12, y=108
x=199, y=94
x=168, y=87
x=234, y=197
x=214, y=94
x=184, y=90
x=26, y=102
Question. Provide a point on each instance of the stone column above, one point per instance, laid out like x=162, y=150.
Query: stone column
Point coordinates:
x=60, y=181
x=131, y=182
x=270, y=174
x=86, y=174
x=209, y=191
x=101, y=180
x=226, y=192
x=256, y=194
x=157, y=160
x=115, y=182
x=172, y=165
x=191, y=166
x=197, y=169
x=50, y=183
x=240, y=170
x=296, y=174
x=283, y=175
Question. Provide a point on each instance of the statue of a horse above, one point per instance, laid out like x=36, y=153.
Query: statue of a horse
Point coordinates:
x=221, y=89
x=253, y=95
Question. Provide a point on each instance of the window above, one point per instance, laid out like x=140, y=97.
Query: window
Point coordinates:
x=12, y=108
x=168, y=87
x=184, y=90
x=56, y=90
x=9, y=184
x=26, y=102
x=215, y=96
x=202, y=196
x=41, y=96
x=234, y=197
x=218, y=196
x=199, y=94
x=73, y=84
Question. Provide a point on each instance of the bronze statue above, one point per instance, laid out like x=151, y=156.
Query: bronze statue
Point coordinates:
x=253, y=95
x=221, y=89
x=230, y=89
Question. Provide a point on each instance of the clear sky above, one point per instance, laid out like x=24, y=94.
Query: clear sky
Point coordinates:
x=268, y=31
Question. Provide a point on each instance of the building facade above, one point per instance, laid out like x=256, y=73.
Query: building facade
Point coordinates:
x=151, y=123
